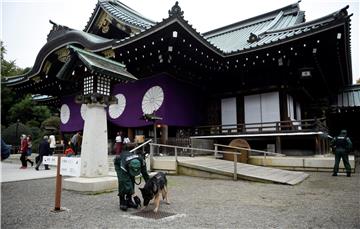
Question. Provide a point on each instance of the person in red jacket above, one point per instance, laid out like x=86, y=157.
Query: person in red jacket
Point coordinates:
x=23, y=150
x=69, y=152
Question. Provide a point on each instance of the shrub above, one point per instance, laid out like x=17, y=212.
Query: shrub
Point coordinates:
x=11, y=135
x=53, y=122
x=33, y=123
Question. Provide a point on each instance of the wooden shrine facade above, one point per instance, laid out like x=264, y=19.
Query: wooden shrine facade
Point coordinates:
x=273, y=74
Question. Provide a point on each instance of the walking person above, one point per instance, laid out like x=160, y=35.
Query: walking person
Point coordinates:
x=78, y=143
x=342, y=146
x=75, y=142
x=118, y=143
x=29, y=150
x=52, y=142
x=44, y=150
x=23, y=151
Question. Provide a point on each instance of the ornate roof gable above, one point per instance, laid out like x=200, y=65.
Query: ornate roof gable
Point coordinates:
x=176, y=11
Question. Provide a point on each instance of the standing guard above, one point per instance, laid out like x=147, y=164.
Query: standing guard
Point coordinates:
x=342, y=146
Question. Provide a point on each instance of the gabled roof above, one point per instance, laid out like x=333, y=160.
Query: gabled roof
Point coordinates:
x=273, y=28
x=270, y=28
x=121, y=13
x=248, y=33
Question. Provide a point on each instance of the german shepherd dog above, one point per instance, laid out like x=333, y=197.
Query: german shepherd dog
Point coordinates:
x=152, y=189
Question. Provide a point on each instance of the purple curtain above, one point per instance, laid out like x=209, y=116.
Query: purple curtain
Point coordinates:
x=181, y=105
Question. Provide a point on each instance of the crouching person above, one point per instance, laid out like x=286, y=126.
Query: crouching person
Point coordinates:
x=127, y=166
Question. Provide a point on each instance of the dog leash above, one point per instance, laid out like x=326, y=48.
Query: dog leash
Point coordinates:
x=139, y=181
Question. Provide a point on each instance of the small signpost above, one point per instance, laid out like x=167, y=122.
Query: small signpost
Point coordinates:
x=70, y=166
x=50, y=160
x=67, y=166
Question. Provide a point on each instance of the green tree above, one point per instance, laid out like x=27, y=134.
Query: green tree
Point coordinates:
x=9, y=68
x=26, y=111
x=17, y=107
x=8, y=98
x=11, y=135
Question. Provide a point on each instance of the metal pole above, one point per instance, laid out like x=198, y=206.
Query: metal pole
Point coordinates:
x=264, y=162
x=175, y=153
x=16, y=131
x=176, y=160
x=216, y=151
x=58, y=185
x=235, y=166
x=155, y=133
x=151, y=154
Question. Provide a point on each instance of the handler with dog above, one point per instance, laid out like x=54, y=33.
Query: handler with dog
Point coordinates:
x=127, y=166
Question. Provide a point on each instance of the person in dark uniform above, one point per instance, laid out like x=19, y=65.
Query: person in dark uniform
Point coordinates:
x=342, y=146
x=127, y=166
x=44, y=150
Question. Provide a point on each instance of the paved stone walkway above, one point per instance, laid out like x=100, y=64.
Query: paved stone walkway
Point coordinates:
x=321, y=201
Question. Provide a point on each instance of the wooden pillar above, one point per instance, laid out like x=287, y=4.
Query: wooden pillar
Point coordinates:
x=130, y=134
x=278, y=144
x=317, y=145
x=321, y=145
x=327, y=147
x=164, y=134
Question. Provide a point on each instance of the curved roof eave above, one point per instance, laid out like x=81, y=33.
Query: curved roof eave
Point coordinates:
x=88, y=41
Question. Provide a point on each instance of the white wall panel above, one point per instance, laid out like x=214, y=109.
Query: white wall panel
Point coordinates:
x=252, y=109
x=290, y=107
x=270, y=109
x=228, y=111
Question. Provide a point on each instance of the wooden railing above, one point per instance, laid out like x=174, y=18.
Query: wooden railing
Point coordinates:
x=304, y=125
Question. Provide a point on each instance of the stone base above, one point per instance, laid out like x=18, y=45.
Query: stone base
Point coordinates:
x=91, y=185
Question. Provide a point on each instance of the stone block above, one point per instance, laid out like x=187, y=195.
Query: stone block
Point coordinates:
x=91, y=185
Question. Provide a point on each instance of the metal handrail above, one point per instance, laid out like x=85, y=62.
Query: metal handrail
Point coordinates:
x=251, y=150
x=189, y=148
x=142, y=145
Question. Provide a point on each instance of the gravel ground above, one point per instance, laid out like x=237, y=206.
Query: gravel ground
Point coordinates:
x=321, y=201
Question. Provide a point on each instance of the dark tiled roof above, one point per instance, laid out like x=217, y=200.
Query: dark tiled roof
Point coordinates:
x=122, y=13
x=273, y=28
x=253, y=32
x=108, y=66
x=270, y=30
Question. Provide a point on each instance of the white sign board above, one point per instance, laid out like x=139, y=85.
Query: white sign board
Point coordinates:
x=50, y=160
x=70, y=166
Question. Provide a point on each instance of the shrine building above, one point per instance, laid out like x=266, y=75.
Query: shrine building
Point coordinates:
x=276, y=80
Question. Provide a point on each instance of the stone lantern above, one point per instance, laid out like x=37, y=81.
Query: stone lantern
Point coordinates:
x=96, y=75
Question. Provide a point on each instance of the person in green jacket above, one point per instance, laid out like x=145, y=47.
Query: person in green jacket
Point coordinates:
x=127, y=166
x=342, y=146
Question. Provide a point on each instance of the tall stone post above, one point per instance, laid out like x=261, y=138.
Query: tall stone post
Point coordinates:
x=94, y=154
